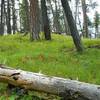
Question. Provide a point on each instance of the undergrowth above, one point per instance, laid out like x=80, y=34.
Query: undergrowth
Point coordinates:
x=57, y=57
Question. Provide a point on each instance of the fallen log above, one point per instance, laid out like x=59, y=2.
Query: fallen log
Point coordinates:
x=70, y=89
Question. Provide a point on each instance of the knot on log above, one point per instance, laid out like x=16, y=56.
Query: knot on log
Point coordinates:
x=72, y=95
x=15, y=76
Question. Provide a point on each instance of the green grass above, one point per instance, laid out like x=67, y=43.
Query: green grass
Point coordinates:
x=54, y=58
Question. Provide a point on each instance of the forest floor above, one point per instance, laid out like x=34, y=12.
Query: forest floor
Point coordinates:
x=57, y=57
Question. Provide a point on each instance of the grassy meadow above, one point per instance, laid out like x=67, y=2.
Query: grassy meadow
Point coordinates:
x=57, y=57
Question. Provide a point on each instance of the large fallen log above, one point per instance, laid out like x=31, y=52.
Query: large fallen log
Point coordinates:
x=70, y=89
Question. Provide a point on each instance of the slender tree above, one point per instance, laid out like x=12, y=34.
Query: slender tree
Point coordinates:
x=96, y=23
x=46, y=26
x=85, y=18
x=14, y=19
x=8, y=17
x=25, y=16
x=58, y=20
x=72, y=25
x=67, y=30
x=76, y=9
x=34, y=20
x=57, y=17
x=2, y=17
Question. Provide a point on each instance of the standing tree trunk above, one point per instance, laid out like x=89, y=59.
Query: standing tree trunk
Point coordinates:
x=46, y=26
x=96, y=23
x=67, y=30
x=85, y=21
x=13, y=16
x=76, y=10
x=53, y=14
x=72, y=25
x=57, y=27
x=8, y=17
x=27, y=16
x=56, y=18
x=35, y=22
x=2, y=18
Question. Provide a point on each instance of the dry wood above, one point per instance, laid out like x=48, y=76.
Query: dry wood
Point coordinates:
x=70, y=89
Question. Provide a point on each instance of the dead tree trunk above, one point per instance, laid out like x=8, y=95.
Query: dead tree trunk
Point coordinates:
x=70, y=89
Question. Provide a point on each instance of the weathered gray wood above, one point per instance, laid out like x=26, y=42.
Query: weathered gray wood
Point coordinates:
x=54, y=85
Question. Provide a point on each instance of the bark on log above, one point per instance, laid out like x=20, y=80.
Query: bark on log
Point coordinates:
x=70, y=89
